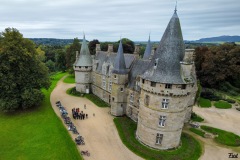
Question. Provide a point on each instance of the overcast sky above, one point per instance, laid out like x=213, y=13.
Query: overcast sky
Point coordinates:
x=107, y=20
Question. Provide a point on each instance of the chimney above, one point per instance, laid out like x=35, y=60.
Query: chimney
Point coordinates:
x=98, y=47
x=110, y=48
x=189, y=55
x=77, y=55
x=136, y=51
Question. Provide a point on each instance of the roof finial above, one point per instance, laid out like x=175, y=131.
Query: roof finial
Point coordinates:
x=149, y=36
x=83, y=35
x=175, y=11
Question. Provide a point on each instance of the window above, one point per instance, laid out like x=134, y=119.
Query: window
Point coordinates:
x=121, y=89
x=168, y=86
x=153, y=84
x=103, y=82
x=165, y=103
x=113, y=99
x=110, y=86
x=130, y=111
x=159, y=138
x=86, y=77
x=184, y=86
x=115, y=76
x=107, y=70
x=143, y=80
x=131, y=97
x=147, y=99
x=162, y=121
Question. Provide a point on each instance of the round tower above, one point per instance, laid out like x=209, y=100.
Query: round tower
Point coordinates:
x=83, y=69
x=165, y=93
x=119, y=81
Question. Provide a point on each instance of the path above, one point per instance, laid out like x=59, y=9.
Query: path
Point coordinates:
x=99, y=131
x=225, y=119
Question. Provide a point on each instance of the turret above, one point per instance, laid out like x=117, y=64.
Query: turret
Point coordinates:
x=119, y=80
x=148, y=50
x=165, y=95
x=83, y=68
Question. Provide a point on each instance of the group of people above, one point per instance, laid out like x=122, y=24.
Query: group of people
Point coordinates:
x=77, y=114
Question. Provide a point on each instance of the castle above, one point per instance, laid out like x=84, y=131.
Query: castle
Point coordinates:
x=157, y=91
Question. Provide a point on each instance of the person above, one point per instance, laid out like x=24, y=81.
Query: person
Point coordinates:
x=84, y=106
x=86, y=116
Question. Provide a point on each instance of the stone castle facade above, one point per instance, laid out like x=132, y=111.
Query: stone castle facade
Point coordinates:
x=157, y=91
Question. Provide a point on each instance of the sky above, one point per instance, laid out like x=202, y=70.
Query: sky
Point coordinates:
x=108, y=20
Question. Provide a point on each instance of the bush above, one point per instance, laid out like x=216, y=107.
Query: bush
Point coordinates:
x=196, y=118
x=197, y=131
x=96, y=100
x=230, y=101
x=222, y=105
x=211, y=96
x=224, y=137
x=205, y=103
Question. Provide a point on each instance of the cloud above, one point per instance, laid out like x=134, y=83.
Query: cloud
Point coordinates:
x=108, y=19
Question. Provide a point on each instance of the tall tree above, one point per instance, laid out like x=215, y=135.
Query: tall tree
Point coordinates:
x=22, y=73
x=218, y=64
x=71, y=53
x=92, y=46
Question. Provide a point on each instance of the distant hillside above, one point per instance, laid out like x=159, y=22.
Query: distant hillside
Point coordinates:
x=52, y=41
x=219, y=39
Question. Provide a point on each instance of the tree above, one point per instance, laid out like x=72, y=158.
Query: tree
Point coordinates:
x=128, y=45
x=22, y=73
x=71, y=53
x=60, y=60
x=218, y=64
x=92, y=46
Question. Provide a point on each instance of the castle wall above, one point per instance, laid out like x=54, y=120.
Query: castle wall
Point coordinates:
x=133, y=105
x=151, y=110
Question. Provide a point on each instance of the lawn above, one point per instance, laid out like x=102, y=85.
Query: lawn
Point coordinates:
x=224, y=137
x=222, y=105
x=190, y=149
x=36, y=133
x=69, y=79
x=197, y=131
x=95, y=99
x=204, y=103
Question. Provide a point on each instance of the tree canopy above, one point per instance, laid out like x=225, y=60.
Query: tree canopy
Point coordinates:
x=218, y=64
x=22, y=72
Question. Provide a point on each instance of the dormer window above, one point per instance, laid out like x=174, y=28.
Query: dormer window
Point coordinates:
x=168, y=86
x=153, y=84
x=143, y=80
x=115, y=76
x=184, y=86
x=155, y=64
x=121, y=89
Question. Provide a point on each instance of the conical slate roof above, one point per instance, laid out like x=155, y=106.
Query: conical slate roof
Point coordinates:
x=148, y=50
x=120, y=65
x=85, y=58
x=165, y=64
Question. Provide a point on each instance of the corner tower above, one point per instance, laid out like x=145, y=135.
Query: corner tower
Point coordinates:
x=165, y=92
x=83, y=68
x=119, y=81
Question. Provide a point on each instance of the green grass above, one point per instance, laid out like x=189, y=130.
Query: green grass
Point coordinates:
x=197, y=131
x=96, y=100
x=224, y=137
x=196, y=118
x=73, y=92
x=189, y=150
x=69, y=79
x=204, y=103
x=222, y=105
x=36, y=133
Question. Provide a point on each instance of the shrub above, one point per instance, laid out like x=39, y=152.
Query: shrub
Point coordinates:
x=196, y=118
x=222, y=105
x=205, y=103
x=230, y=101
